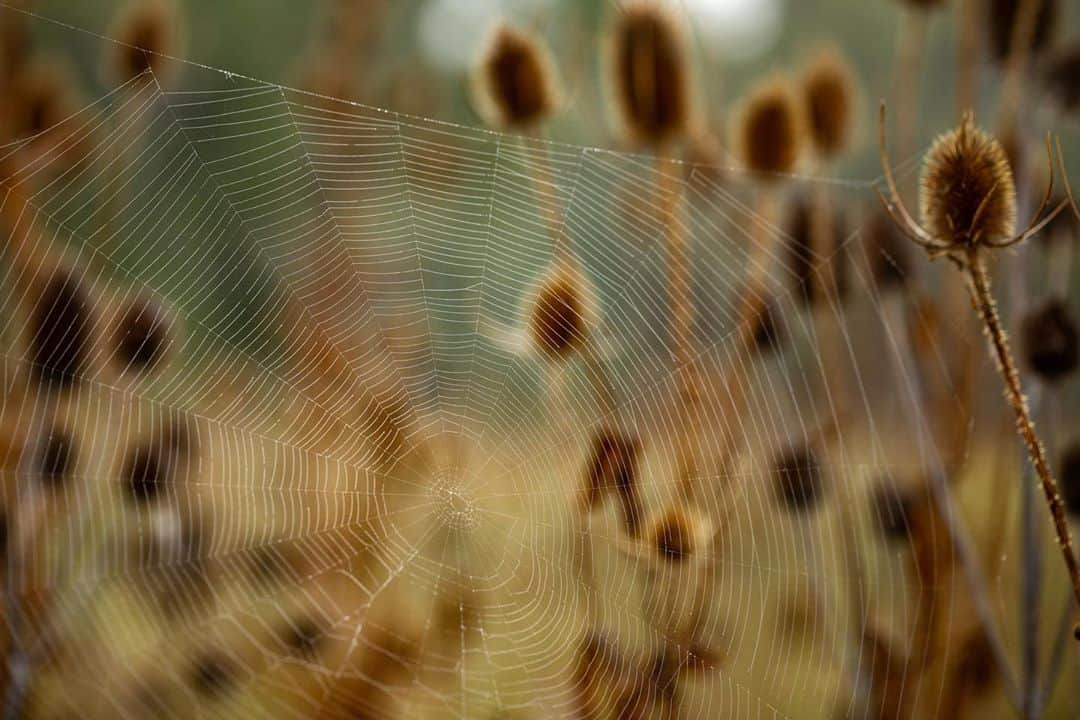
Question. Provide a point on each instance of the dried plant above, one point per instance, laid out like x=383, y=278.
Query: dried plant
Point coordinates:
x=515, y=84
x=968, y=206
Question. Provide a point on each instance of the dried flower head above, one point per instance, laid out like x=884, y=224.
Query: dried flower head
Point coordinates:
x=1061, y=77
x=769, y=129
x=798, y=482
x=650, y=73
x=829, y=93
x=148, y=32
x=560, y=318
x=967, y=197
x=1050, y=341
x=1001, y=17
x=61, y=332
x=141, y=338
x=613, y=464
x=515, y=83
x=41, y=97
x=680, y=534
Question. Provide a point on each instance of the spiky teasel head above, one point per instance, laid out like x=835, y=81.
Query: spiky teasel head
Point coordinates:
x=1050, y=341
x=649, y=74
x=769, y=129
x=149, y=33
x=561, y=316
x=680, y=534
x=515, y=84
x=828, y=89
x=142, y=337
x=1002, y=17
x=967, y=197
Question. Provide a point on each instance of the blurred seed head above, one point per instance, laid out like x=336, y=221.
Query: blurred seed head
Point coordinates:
x=680, y=534
x=769, y=130
x=148, y=32
x=1001, y=18
x=1062, y=77
x=42, y=96
x=515, y=84
x=211, y=674
x=798, y=481
x=829, y=94
x=613, y=464
x=650, y=73
x=1050, y=341
x=142, y=337
x=967, y=196
x=61, y=332
x=764, y=329
x=560, y=317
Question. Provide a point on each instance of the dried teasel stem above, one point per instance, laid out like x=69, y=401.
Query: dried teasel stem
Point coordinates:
x=1023, y=35
x=983, y=301
x=967, y=63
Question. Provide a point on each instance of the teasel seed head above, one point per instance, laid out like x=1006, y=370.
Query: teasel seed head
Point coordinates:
x=42, y=96
x=142, y=337
x=1002, y=16
x=561, y=315
x=966, y=195
x=148, y=32
x=1062, y=77
x=798, y=481
x=828, y=90
x=60, y=342
x=769, y=130
x=613, y=464
x=1070, y=479
x=1050, y=341
x=515, y=84
x=680, y=534
x=650, y=74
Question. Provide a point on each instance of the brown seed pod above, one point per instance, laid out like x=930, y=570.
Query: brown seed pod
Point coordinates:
x=560, y=318
x=967, y=197
x=148, y=32
x=769, y=129
x=798, y=482
x=515, y=84
x=42, y=96
x=679, y=535
x=61, y=332
x=1050, y=341
x=142, y=337
x=650, y=74
x=828, y=90
x=1062, y=77
x=613, y=463
x=1001, y=18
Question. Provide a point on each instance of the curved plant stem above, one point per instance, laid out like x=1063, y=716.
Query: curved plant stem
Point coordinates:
x=983, y=301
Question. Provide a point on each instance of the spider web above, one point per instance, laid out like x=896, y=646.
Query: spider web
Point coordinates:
x=375, y=508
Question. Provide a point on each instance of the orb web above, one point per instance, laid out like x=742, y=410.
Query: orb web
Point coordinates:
x=350, y=482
